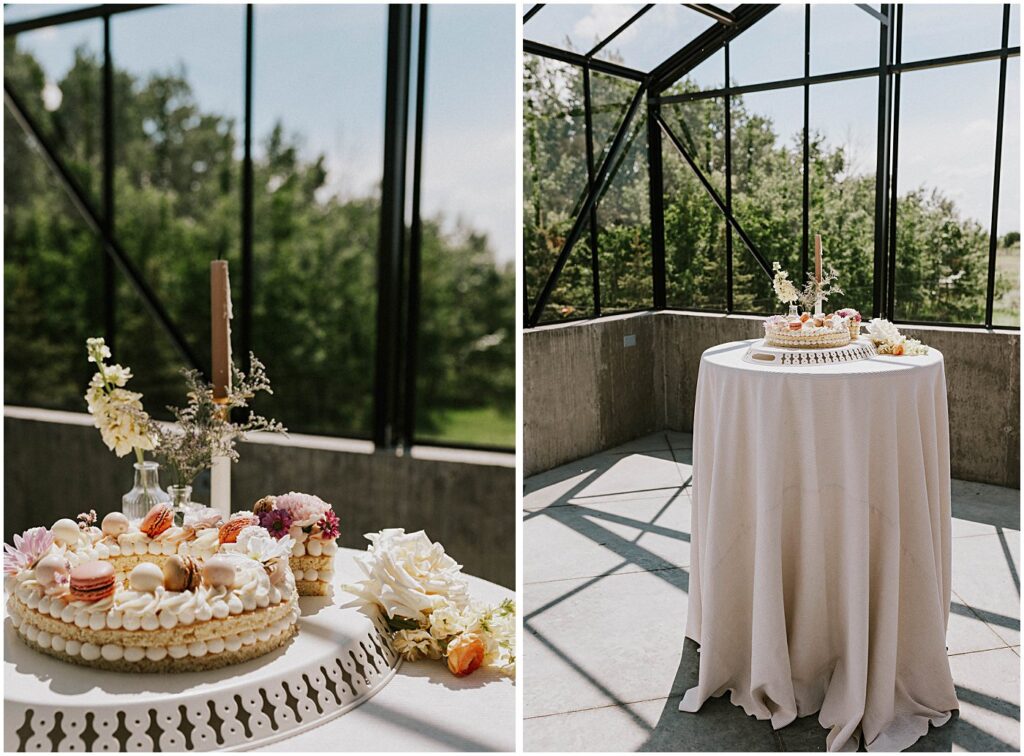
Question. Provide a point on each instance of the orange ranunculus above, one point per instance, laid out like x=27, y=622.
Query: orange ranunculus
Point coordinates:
x=465, y=654
x=897, y=349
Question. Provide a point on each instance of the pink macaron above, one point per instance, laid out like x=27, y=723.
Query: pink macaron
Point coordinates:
x=92, y=581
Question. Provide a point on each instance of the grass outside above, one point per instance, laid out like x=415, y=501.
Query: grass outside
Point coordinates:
x=484, y=426
x=1006, y=308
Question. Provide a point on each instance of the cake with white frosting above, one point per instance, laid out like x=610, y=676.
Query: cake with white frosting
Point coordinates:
x=152, y=596
x=313, y=527
x=807, y=331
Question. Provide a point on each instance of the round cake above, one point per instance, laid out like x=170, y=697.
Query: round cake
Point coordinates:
x=152, y=596
x=808, y=331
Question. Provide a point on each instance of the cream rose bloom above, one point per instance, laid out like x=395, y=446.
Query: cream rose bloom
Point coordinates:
x=409, y=576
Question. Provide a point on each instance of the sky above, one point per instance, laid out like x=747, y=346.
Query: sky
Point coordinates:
x=947, y=115
x=320, y=70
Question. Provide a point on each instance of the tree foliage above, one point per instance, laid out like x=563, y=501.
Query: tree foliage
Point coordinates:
x=942, y=257
x=178, y=195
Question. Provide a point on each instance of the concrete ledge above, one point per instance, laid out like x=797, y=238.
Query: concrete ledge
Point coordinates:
x=57, y=466
x=584, y=392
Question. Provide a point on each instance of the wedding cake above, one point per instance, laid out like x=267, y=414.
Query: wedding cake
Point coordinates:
x=153, y=596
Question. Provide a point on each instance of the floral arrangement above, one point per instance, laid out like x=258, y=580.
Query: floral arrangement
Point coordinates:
x=116, y=411
x=823, y=289
x=784, y=288
x=203, y=428
x=279, y=514
x=889, y=340
x=850, y=314
x=254, y=543
x=424, y=598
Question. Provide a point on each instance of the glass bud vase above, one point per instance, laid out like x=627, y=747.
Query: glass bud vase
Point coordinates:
x=794, y=311
x=145, y=493
x=181, y=502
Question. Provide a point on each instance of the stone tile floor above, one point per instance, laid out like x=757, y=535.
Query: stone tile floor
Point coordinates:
x=606, y=553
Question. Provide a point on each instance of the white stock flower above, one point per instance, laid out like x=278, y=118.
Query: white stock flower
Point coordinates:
x=123, y=424
x=409, y=576
x=413, y=645
x=883, y=331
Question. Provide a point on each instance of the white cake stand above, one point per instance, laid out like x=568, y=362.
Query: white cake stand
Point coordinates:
x=760, y=353
x=338, y=659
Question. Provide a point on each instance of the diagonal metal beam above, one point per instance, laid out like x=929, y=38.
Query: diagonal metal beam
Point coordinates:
x=712, y=11
x=576, y=59
x=69, y=17
x=705, y=45
x=97, y=225
x=532, y=12
x=622, y=27
x=600, y=184
x=874, y=14
x=715, y=197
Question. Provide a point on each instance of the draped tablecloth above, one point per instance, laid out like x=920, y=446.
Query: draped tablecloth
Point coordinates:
x=820, y=567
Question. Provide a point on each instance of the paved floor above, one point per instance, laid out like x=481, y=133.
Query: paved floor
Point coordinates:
x=605, y=555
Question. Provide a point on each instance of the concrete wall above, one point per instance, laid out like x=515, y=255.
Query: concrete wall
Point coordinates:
x=982, y=379
x=56, y=466
x=584, y=389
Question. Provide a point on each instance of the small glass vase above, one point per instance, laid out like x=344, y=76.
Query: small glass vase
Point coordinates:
x=794, y=311
x=145, y=493
x=181, y=502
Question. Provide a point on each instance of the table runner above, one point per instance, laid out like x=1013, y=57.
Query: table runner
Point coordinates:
x=820, y=572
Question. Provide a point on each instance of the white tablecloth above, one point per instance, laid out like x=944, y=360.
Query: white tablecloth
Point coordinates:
x=820, y=572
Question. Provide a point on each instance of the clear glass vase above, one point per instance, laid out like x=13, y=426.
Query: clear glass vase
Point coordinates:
x=181, y=502
x=794, y=311
x=145, y=493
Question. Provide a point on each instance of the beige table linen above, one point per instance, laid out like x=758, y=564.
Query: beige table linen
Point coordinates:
x=820, y=569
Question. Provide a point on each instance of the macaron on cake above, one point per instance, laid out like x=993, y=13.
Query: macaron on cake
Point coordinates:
x=152, y=595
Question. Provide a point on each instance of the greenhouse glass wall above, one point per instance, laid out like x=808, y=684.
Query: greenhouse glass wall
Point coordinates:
x=667, y=176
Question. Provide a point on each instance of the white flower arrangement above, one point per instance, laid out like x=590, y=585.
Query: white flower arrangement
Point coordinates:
x=784, y=288
x=889, y=340
x=116, y=411
x=823, y=289
x=255, y=543
x=424, y=598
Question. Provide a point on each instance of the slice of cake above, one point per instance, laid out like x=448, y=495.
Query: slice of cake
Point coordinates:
x=128, y=597
x=313, y=527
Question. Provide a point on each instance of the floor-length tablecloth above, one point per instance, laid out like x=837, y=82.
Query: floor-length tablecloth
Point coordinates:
x=820, y=568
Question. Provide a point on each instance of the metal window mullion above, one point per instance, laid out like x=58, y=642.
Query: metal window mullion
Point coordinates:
x=109, y=164
x=392, y=232
x=595, y=263
x=993, y=238
x=728, y=190
x=248, y=198
x=805, y=218
x=890, y=301
x=882, y=165
x=656, y=197
x=415, y=239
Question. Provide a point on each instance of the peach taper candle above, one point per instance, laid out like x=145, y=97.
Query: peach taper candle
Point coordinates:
x=220, y=347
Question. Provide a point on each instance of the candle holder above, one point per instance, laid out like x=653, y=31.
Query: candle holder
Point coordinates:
x=220, y=472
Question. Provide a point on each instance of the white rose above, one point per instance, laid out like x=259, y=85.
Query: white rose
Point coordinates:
x=409, y=576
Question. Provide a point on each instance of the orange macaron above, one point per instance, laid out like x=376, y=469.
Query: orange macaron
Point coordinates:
x=157, y=520
x=92, y=581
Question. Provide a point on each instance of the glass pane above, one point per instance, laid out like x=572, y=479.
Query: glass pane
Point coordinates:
x=700, y=126
x=708, y=75
x=695, y=274
x=554, y=184
x=53, y=284
x=770, y=50
x=177, y=105
x=767, y=192
x=843, y=38
x=610, y=97
x=1014, y=38
x=1006, y=306
x=944, y=206
x=935, y=31
x=318, y=123
x=56, y=73
x=576, y=27
x=624, y=230
x=467, y=346
x=843, y=155
x=656, y=35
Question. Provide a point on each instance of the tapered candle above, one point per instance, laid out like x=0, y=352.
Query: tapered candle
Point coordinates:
x=220, y=346
x=220, y=327
x=817, y=258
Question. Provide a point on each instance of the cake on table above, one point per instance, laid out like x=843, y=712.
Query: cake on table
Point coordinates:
x=153, y=596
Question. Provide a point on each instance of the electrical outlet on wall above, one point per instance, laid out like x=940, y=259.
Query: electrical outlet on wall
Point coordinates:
x=629, y=341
